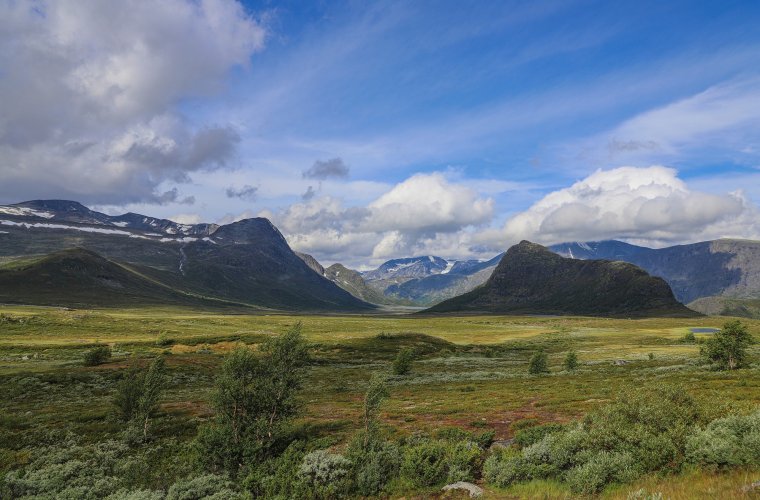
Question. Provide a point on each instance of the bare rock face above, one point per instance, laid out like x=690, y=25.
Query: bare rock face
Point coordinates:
x=530, y=279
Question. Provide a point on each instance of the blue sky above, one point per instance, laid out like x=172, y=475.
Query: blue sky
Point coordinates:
x=341, y=120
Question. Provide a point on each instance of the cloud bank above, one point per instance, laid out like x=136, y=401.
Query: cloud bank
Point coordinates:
x=431, y=214
x=91, y=92
x=649, y=205
x=417, y=216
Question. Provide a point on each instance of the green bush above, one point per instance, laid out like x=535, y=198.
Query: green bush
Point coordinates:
x=278, y=477
x=97, y=356
x=530, y=435
x=402, y=365
x=463, y=460
x=206, y=487
x=641, y=432
x=539, y=363
x=689, y=338
x=600, y=469
x=375, y=464
x=424, y=463
x=726, y=442
x=325, y=472
x=571, y=361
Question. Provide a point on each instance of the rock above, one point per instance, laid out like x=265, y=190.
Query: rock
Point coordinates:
x=620, y=362
x=474, y=490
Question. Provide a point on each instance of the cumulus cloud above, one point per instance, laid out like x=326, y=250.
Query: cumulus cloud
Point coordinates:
x=649, y=205
x=329, y=169
x=244, y=193
x=424, y=214
x=90, y=92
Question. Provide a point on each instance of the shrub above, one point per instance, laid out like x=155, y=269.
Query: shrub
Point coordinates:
x=641, y=432
x=726, y=442
x=728, y=347
x=424, y=463
x=402, y=365
x=164, y=340
x=278, y=477
x=69, y=471
x=539, y=363
x=374, y=465
x=97, y=356
x=689, y=338
x=602, y=468
x=463, y=460
x=207, y=487
x=571, y=361
x=528, y=436
x=325, y=473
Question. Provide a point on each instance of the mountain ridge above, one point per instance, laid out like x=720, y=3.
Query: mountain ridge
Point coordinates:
x=531, y=279
x=247, y=261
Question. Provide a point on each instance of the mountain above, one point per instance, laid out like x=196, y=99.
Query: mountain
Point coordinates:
x=352, y=282
x=398, y=270
x=727, y=306
x=461, y=277
x=725, y=267
x=247, y=261
x=531, y=279
x=313, y=263
x=78, y=277
x=427, y=280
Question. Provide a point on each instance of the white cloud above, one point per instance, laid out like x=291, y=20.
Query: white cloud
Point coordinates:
x=417, y=216
x=727, y=106
x=650, y=205
x=90, y=92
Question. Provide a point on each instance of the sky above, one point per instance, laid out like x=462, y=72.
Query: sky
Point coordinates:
x=372, y=130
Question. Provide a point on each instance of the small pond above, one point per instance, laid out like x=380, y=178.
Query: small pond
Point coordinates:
x=704, y=330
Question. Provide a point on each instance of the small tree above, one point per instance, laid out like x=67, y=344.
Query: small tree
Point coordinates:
x=403, y=362
x=377, y=391
x=571, y=361
x=97, y=356
x=539, y=363
x=728, y=347
x=255, y=397
x=138, y=394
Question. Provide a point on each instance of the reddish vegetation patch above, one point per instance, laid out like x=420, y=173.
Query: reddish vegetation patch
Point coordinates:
x=189, y=408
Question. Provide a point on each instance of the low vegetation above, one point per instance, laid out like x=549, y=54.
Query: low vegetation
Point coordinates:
x=240, y=407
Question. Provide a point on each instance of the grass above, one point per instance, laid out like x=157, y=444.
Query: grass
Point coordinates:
x=470, y=372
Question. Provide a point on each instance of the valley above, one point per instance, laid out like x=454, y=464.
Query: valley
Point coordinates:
x=469, y=373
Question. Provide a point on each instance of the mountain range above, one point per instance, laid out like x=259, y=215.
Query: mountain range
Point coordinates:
x=531, y=279
x=250, y=264
x=709, y=276
x=247, y=262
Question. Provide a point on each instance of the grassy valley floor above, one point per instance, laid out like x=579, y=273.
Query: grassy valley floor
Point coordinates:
x=471, y=373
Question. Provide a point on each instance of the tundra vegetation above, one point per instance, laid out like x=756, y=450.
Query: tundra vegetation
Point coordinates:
x=264, y=406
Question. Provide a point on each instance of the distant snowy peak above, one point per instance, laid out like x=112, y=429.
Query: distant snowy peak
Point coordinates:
x=62, y=215
x=410, y=267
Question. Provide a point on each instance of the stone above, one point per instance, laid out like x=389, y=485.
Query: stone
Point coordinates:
x=474, y=490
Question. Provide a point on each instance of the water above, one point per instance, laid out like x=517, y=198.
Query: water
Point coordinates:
x=704, y=330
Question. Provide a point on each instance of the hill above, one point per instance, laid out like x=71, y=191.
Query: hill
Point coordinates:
x=530, y=279
x=80, y=278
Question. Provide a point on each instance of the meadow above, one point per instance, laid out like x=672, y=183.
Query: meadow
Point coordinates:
x=470, y=372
